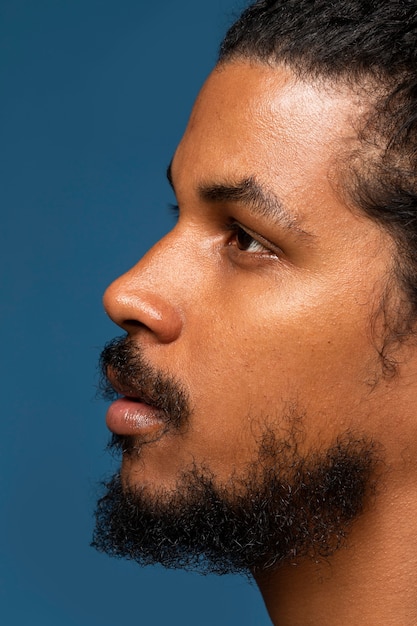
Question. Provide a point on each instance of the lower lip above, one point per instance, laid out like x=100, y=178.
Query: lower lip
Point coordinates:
x=126, y=417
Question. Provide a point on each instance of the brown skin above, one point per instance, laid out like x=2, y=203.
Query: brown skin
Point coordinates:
x=254, y=327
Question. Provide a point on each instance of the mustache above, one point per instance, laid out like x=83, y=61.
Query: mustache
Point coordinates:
x=125, y=372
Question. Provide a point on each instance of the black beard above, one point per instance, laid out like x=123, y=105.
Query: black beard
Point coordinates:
x=284, y=508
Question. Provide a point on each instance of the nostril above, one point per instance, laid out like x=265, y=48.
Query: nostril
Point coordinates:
x=132, y=324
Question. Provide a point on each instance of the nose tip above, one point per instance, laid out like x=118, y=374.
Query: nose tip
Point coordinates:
x=135, y=309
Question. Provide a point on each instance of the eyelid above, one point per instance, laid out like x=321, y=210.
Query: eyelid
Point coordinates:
x=262, y=241
x=233, y=227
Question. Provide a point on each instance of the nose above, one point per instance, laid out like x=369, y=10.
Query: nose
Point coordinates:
x=142, y=300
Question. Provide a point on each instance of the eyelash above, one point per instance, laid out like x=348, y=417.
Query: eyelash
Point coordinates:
x=256, y=241
x=237, y=229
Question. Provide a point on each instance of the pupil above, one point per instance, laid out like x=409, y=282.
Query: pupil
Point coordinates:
x=243, y=239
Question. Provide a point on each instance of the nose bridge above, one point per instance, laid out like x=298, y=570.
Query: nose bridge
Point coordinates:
x=147, y=295
x=150, y=270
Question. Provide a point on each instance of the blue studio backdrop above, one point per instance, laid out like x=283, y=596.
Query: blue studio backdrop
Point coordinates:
x=95, y=95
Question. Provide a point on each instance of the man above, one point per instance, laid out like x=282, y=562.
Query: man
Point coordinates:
x=267, y=383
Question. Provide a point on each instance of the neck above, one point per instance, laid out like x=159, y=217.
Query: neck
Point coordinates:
x=369, y=582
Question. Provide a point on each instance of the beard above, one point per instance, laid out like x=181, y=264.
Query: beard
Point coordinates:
x=283, y=507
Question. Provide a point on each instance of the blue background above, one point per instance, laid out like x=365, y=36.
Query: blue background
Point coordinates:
x=94, y=97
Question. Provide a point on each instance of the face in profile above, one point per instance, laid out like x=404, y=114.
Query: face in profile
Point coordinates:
x=250, y=364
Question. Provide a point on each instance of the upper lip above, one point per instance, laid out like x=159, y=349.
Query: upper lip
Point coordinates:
x=136, y=395
x=134, y=398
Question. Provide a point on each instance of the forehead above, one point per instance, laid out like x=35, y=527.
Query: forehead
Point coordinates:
x=261, y=121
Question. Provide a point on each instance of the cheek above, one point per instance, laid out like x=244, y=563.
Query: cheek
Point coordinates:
x=254, y=367
x=258, y=357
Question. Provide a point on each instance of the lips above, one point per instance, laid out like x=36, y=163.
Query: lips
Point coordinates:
x=148, y=402
x=128, y=416
x=134, y=414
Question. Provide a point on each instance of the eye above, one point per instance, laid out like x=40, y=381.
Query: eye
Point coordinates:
x=246, y=242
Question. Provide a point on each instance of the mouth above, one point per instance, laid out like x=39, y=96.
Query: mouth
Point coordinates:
x=146, y=403
x=132, y=416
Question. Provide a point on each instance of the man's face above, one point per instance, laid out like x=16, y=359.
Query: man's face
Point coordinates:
x=262, y=303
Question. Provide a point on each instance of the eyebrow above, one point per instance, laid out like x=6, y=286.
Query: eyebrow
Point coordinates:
x=249, y=192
